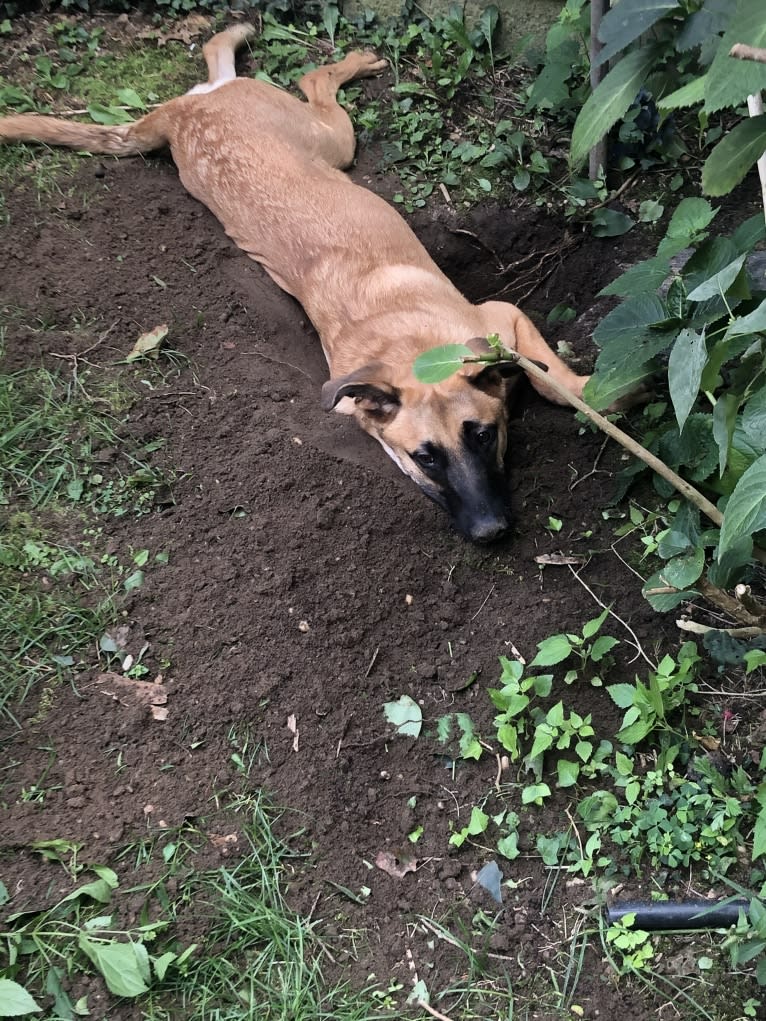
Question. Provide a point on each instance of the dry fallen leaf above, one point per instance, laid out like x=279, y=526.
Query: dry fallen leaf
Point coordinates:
x=126, y=690
x=148, y=344
x=223, y=841
x=395, y=865
x=708, y=742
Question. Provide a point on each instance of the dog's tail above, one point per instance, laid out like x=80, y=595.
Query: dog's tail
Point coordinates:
x=143, y=135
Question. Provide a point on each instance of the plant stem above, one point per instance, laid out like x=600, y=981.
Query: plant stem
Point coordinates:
x=687, y=491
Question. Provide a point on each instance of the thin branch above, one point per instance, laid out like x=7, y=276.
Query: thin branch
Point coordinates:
x=744, y=52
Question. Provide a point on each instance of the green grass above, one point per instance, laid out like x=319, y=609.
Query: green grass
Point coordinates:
x=57, y=584
x=255, y=957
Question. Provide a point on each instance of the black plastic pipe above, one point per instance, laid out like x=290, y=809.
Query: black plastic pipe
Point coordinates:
x=655, y=916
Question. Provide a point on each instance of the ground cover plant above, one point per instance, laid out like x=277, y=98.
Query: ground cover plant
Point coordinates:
x=218, y=592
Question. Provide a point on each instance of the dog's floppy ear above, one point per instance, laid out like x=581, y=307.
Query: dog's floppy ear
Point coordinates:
x=369, y=388
x=492, y=377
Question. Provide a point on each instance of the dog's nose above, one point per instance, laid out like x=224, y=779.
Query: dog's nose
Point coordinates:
x=488, y=529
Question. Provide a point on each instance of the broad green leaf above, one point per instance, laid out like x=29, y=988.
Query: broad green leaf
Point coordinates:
x=746, y=509
x=478, y=822
x=759, y=835
x=509, y=846
x=688, y=95
x=731, y=81
x=405, y=715
x=734, y=155
x=685, y=366
x=754, y=322
x=630, y=320
x=552, y=651
x=110, y=115
x=609, y=223
x=568, y=772
x=626, y=21
x=118, y=963
x=593, y=626
x=720, y=282
x=654, y=591
x=15, y=1001
x=129, y=97
x=604, y=388
x=724, y=420
x=623, y=695
x=535, y=793
x=684, y=570
x=610, y=101
x=602, y=646
x=440, y=363
x=645, y=276
x=754, y=419
x=709, y=21
x=691, y=217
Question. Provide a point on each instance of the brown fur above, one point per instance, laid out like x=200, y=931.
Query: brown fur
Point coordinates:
x=269, y=167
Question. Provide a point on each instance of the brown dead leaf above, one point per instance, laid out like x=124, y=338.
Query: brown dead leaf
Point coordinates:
x=125, y=689
x=557, y=560
x=148, y=344
x=708, y=742
x=395, y=865
x=186, y=31
x=225, y=842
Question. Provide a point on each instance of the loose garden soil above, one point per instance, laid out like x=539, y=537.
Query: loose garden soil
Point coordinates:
x=309, y=580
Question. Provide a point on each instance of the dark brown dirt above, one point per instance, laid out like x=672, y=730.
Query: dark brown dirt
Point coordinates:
x=306, y=577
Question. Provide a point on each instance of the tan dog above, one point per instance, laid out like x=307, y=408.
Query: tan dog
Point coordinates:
x=269, y=168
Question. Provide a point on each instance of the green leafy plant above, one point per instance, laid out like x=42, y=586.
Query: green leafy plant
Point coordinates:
x=648, y=705
x=667, y=42
x=589, y=648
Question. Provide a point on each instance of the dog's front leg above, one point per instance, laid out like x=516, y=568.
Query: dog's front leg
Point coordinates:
x=518, y=333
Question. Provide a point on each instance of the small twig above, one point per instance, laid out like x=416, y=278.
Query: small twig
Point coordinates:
x=484, y=603
x=368, y=671
x=615, y=194
x=594, y=469
x=636, y=644
x=733, y=632
x=433, y=1011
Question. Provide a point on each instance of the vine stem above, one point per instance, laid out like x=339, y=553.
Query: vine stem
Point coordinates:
x=684, y=488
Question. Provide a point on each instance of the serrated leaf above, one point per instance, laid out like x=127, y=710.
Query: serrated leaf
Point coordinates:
x=109, y=115
x=610, y=101
x=118, y=963
x=746, y=510
x=15, y=1001
x=623, y=695
x=759, y=835
x=592, y=627
x=628, y=20
x=720, y=282
x=704, y=24
x=645, y=276
x=663, y=601
x=688, y=95
x=551, y=651
x=439, y=363
x=754, y=419
x=630, y=320
x=601, y=646
x=734, y=155
x=509, y=846
x=405, y=715
x=604, y=388
x=691, y=217
x=688, y=357
x=731, y=81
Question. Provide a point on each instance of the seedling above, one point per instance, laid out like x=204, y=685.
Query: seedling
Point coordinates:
x=587, y=648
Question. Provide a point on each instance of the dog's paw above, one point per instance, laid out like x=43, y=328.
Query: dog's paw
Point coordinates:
x=370, y=64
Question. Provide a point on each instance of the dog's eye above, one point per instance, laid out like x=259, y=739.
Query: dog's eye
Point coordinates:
x=424, y=458
x=485, y=435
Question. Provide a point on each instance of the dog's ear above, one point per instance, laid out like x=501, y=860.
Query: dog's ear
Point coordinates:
x=369, y=388
x=493, y=378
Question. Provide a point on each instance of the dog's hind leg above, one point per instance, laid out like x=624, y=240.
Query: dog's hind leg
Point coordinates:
x=219, y=56
x=320, y=87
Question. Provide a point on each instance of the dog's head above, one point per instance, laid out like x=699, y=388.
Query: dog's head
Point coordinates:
x=450, y=438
